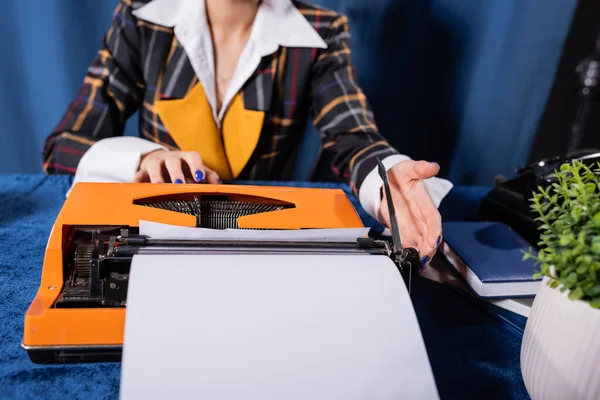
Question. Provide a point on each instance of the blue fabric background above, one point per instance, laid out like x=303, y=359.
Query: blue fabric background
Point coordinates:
x=462, y=82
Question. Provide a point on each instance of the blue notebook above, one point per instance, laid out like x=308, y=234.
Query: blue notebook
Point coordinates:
x=489, y=257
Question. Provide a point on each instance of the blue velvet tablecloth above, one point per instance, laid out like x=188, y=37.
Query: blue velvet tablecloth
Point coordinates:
x=473, y=346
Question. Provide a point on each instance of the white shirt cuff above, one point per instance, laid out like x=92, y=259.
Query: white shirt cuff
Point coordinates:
x=369, y=194
x=115, y=159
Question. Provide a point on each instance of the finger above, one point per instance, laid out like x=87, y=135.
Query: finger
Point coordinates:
x=141, y=176
x=430, y=216
x=195, y=165
x=212, y=177
x=418, y=236
x=154, y=171
x=425, y=247
x=173, y=165
x=426, y=260
x=411, y=170
x=433, y=223
x=426, y=169
x=425, y=250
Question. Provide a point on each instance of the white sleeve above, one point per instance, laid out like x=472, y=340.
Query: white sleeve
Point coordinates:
x=369, y=194
x=114, y=159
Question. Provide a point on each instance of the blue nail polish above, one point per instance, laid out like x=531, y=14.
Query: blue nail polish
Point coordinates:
x=424, y=260
x=199, y=175
x=439, y=239
x=178, y=181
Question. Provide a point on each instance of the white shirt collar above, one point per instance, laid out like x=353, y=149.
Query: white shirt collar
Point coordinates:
x=277, y=23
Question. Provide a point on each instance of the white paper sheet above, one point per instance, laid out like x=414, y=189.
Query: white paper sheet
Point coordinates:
x=271, y=327
x=166, y=231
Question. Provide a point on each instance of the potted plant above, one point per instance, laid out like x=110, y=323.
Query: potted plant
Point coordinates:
x=560, y=352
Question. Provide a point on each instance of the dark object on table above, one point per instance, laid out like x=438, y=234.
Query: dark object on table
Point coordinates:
x=509, y=201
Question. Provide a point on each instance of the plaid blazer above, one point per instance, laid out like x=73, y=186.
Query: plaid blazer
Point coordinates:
x=140, y=63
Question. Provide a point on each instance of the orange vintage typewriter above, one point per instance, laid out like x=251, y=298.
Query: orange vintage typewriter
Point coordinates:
x=78, y=313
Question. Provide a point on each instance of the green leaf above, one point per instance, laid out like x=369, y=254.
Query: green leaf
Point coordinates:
x=584, y=260
x=581, y=269
x=596, y=248
x=576, y=294
x=565, y=240
x=529, y=255
x=572, y=193
x=571, y=278
x=590, y=188
x=593, y=291
x=595, y=303
x=576, y=214
x=581, y=237
x=596, y=218
x=546, y=268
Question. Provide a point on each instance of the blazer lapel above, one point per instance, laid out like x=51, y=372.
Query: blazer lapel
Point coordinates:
x=178, y=75
x=258, y=89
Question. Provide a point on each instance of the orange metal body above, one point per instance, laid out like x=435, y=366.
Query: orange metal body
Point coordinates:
x=113, y=204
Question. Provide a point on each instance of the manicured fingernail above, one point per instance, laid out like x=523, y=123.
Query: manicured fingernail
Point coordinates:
x=439, y=239
x=178, y=181
x=424, y=261
x=434, y=163
x=199, y=175
x=220, y=181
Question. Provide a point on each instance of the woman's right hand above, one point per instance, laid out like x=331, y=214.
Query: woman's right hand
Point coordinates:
x=162, y=166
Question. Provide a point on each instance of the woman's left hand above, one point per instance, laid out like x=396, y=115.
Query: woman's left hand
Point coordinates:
x=418, y=219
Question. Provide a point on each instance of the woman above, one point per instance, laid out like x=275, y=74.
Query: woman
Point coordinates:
x=224, y=88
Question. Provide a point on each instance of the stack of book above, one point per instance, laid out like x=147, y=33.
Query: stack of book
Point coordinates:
x=488, y=256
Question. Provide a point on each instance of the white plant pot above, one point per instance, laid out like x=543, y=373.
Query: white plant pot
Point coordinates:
x=560, y=352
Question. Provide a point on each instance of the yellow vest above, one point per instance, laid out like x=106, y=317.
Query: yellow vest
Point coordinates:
x=190, y=123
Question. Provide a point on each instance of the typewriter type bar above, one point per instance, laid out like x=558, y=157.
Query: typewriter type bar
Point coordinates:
x=97, y=264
